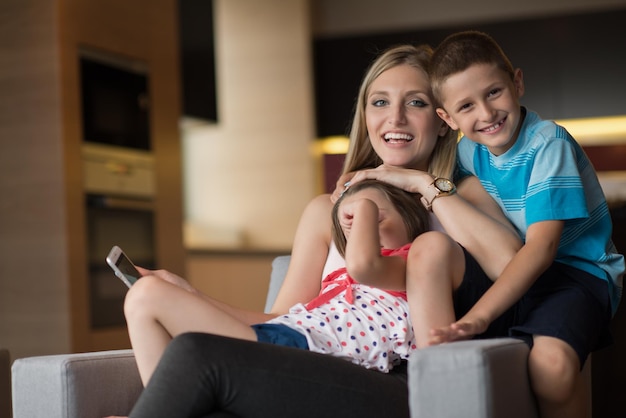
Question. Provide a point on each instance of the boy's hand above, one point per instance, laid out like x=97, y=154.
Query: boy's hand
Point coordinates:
x=463, y=329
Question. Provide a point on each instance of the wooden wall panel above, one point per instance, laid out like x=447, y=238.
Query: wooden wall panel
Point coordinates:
x=43, y=263
x=239, y=279
x=33, y=253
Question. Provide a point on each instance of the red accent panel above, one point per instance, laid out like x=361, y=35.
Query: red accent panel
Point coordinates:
x=333, y=164
x=607, y=157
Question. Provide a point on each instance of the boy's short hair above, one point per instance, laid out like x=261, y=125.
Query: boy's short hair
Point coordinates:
x=461, y=50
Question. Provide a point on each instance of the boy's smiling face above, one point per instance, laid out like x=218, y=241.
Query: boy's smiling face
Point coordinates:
x=483, y=103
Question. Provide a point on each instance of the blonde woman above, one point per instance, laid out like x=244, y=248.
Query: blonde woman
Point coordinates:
x=397, y=138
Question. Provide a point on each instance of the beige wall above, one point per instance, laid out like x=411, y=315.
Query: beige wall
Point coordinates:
x=33, y=243
x=249, y=176
x=241, y=280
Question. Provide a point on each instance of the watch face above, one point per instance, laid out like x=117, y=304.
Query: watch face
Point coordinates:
x=444, y=185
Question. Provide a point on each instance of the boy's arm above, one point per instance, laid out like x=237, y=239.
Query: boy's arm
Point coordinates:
x=537, y=254
x=364, y=262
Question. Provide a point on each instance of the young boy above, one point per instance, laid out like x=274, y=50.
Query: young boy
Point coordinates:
x=564, y=284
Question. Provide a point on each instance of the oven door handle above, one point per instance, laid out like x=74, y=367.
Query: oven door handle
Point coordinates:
x=111, y=202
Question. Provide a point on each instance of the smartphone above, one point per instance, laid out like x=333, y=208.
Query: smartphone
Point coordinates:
x=122, y=266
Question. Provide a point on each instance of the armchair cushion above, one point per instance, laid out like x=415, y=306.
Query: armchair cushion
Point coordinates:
x=76, y=385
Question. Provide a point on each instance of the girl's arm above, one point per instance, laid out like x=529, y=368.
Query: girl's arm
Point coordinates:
x=364, y=262
x=308, y=257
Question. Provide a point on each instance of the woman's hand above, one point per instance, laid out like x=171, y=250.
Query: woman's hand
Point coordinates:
x=411, y=180
x=168, y=277
x=342, y=185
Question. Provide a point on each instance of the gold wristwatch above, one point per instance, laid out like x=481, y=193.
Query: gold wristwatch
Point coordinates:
x=439, y=187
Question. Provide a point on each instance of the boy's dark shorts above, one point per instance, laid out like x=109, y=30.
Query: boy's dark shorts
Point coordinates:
x=565, y=302
x=279, y=334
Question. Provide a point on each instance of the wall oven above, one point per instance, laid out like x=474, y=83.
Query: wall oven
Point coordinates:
x=126, y=222
x=119, y=200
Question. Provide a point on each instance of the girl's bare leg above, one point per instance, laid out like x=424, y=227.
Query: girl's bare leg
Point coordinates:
x=156, y=311
x=435, y=267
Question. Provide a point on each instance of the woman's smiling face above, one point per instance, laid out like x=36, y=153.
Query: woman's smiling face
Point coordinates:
x=401, y=121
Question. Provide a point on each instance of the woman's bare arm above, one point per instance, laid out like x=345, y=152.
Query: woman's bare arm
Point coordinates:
x=474, y=220
x=308, y=257
x=470, y=216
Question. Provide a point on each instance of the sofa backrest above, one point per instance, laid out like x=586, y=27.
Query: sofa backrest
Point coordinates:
x=279, y=270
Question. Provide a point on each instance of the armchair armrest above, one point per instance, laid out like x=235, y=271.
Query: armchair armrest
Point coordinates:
x=84, y=385
x=477, y=378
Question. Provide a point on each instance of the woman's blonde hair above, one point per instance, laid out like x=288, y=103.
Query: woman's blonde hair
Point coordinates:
x=414, y=214
x=361, y=154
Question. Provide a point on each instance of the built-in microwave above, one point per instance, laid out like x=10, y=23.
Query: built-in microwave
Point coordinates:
x=115, y=100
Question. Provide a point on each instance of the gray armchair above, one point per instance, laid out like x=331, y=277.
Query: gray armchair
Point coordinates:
x=469, y=379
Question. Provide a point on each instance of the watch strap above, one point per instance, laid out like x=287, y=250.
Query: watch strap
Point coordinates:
x=428, y=199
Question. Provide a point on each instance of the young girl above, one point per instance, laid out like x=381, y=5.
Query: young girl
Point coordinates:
x=373, y=225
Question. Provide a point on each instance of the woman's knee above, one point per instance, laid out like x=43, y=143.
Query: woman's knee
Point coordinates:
x=208, y=350
x=187, y=344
